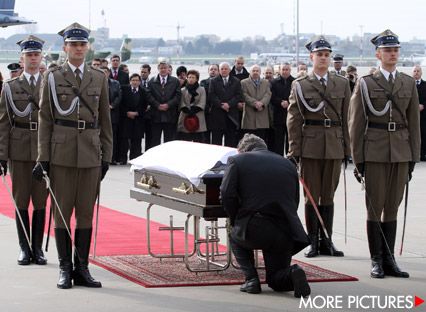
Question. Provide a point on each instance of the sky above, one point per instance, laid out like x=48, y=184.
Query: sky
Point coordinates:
x=229, y=19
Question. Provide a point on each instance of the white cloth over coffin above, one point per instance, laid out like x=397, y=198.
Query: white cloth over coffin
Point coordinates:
x=185, y=159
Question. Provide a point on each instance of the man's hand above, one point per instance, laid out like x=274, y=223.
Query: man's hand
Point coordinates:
x=240, y=105
x=411, y=165
x=104, y=169
x=359, y=171
x=225, y=107
x=163, y=107
x=132, y=115
x=258, y=105
x=40, y=169
x=421, y=107
x=284, y=104
x=3, y=164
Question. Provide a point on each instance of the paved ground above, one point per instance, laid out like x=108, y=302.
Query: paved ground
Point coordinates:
x=33, y=288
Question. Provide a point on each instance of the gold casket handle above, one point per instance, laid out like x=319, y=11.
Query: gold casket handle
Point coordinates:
x=148, y=182
x=183, y=188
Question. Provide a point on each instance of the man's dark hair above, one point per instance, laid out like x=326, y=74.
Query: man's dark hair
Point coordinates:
x=122, y=66
x=146, y=66
x=97, y=60
x=181, y=69
x=115, y=56
x=250, y=142
x=134, y=75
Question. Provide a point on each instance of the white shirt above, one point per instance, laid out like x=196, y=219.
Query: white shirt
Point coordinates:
x=73, y=68
x=386, y=73
x=319, y=77
x=28, y=76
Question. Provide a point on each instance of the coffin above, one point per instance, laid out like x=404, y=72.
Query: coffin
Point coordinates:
x=183, y=176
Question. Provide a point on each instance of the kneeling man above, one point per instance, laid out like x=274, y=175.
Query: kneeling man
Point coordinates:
x=260, y=193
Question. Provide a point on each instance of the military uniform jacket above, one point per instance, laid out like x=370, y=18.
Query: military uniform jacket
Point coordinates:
x=18, y=143
x=318, y=141
x=69, y=146
x=379, y=145
x=342, y=72
x=252, y=118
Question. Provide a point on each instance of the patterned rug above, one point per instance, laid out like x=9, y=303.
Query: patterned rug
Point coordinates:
x=151, y=272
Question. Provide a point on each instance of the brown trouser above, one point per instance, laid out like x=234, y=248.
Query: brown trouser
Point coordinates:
x=384, y=186
x=25, y=187
x=75, y=188
x=321, y=177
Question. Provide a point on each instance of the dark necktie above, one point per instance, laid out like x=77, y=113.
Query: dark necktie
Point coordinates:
x=163, y=81
x=225, y=81
x=391, y=80
x=77, y=76
x=418, y=82
x=134, y=91
x=32, y=83
x=115, y=76
x=322, y=80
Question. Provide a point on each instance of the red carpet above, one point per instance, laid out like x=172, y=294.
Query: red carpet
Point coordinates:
x=150, y=272
x=122, y=249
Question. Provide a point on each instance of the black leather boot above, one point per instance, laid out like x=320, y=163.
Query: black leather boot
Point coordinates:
x=64, y=246
x=37, y=232
x=326, y=245
x=25, y=255
x=81, y=274
x=299, y=281
x=390, y=267
x=251, y=286
x=375, y=245
x=312, y=229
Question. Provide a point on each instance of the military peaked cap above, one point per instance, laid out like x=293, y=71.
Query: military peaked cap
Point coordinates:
x=31, y=44
x=317, y=44
x=386, y=39
x=74, y=33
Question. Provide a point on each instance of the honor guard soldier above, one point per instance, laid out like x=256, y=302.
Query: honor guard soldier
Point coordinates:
x=338, y=64
x=384, y=129
x=74, y=149
x=14, y=70
x=319, y=140
x=18, y=144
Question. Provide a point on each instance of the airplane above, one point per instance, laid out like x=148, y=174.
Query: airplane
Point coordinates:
x=8, y=17
x=276, y=58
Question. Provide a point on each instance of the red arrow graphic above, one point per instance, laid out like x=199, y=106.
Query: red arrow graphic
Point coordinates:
x=418, y=301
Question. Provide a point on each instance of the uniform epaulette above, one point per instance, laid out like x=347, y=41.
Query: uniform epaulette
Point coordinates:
x=97, y=69
x=11, y=79
x=404, y=74
x=339, y=76
x=366, y=75
x=301, y=78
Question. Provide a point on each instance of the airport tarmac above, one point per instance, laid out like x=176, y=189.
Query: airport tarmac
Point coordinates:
x=33, y=288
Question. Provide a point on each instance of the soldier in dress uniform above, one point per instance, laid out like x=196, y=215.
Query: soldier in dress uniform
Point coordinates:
x=384, y=130
x=14, y=70
x=75, y=149
x=338, y=64
x=319, y=140
x=18, y=144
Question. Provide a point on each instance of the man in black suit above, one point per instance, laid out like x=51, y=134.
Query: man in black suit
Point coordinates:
x=224, y=95
x=164, y=99
x=133, y=107
x=281, y=88
x=260, y=194
x=118, y=74
x=421, y=90
x=114, y=105
x=145, y=72
x=213, y=73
